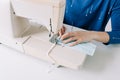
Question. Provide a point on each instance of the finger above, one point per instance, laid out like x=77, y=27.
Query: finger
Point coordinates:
x=70, y=39
x=67, y=35
x=75, y=43
x=63, y=30
x=60, y=32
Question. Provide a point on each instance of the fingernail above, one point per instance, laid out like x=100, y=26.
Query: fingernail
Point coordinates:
x=64, y=42
x=71, y=45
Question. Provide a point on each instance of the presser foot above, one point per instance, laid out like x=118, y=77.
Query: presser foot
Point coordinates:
x=54, y=38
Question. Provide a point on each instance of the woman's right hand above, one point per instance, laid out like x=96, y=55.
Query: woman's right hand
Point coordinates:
x=62, y=31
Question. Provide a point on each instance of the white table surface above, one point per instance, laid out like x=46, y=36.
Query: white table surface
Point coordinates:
x=104, y=65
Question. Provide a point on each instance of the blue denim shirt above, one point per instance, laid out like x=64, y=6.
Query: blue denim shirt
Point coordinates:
x=94, y=15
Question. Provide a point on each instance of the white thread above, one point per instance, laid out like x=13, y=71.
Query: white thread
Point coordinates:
x=91, y=9
x=109, y=10
x=72, y=3
x=87, y=12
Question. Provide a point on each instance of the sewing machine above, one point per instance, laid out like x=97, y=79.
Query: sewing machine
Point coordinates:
x=28, y=26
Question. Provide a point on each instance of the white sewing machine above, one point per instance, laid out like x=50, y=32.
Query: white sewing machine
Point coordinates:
x=26, y=25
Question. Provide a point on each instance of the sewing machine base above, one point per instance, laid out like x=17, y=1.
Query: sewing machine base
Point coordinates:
x=37, y=44
x=34, y=40
x=59, y=55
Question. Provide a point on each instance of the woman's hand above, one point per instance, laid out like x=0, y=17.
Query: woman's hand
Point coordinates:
x=82, y=36
x=78, y=37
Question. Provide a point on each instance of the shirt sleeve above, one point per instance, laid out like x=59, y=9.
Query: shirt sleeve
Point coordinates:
x=115, y=22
